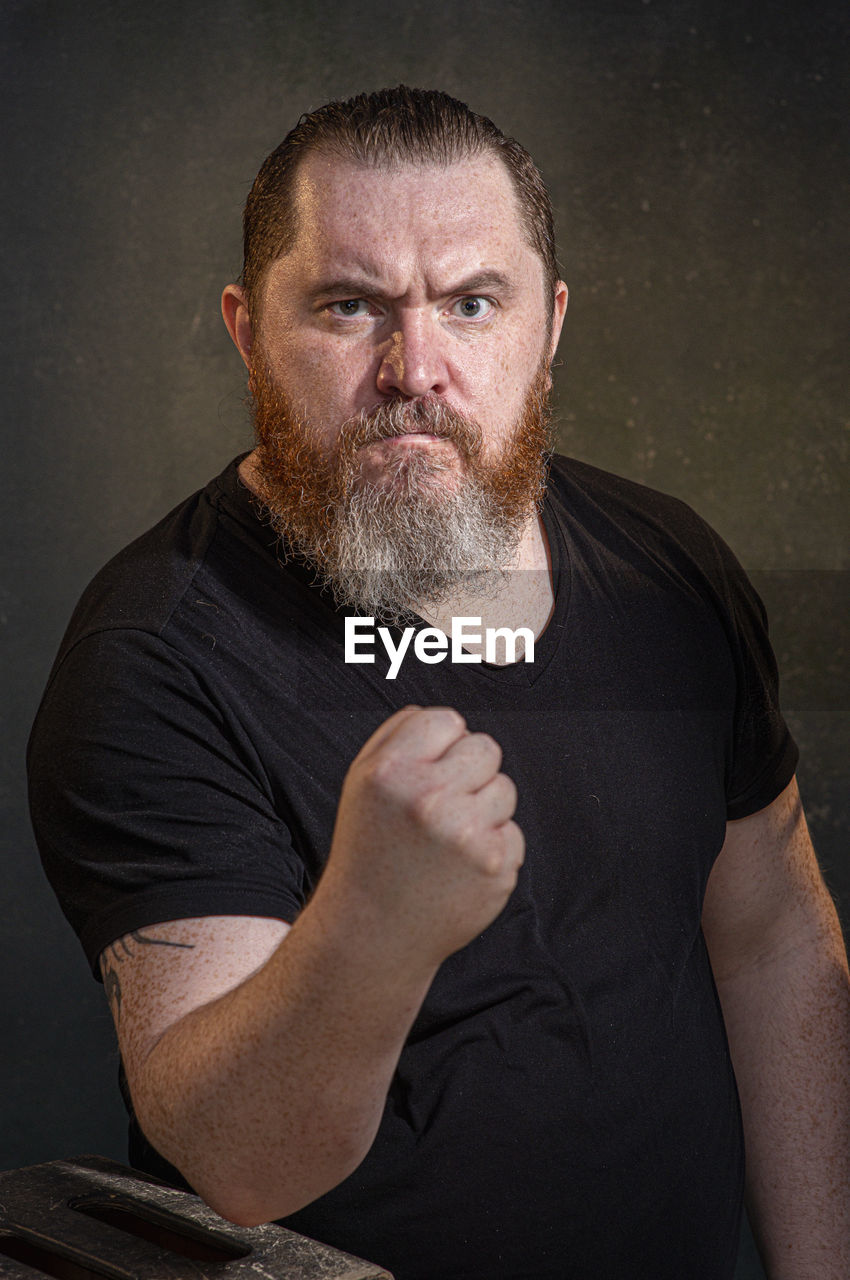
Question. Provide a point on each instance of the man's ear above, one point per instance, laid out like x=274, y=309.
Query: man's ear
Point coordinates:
x=234, y=309
x=562, y=297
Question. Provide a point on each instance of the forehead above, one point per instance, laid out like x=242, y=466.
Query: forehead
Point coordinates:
x=408, y=220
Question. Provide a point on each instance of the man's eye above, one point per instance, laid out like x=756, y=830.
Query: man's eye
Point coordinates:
x=472, y=307
x=348, y=307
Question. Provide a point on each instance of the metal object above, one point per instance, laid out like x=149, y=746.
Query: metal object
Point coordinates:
x=92, y=1219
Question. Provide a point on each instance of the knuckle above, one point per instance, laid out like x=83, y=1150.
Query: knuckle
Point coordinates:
x=493, y=861
x=507, y=786
x=516, y=841
x=426, y=806
x=444, y=718
x=382, y=774
x=489, y=745
x=456, y=825
x=466, y=834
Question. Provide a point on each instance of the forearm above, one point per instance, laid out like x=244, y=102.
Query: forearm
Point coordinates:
x=788, y=1021
x=271, y=1095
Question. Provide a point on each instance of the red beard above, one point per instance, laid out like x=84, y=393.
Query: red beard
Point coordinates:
x=306, y=487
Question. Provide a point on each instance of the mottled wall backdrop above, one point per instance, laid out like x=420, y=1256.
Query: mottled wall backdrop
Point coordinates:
x=697, y=155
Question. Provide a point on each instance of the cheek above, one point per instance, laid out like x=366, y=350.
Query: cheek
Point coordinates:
x=318, y=374
x=292, y=359
x=501, y=385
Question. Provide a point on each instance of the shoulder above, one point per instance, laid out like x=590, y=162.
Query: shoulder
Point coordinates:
x=139, y=588
x=140, y=584
x=618, y=498
x=169, y=636
x=127, y=642
x=633, y=542
x=625, y=527
x=639, y=525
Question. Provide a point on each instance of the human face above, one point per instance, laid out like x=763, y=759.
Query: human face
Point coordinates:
x=406, y=283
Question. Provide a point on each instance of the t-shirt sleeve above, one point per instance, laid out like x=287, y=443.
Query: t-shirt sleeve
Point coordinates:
x=763, y=754
x=148, y=802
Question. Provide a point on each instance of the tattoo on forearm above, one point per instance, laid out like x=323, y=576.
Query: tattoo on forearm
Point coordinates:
x=121, y=950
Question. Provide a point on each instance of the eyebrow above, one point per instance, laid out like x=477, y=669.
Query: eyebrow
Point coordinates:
x=356, y=286
x=486, y=279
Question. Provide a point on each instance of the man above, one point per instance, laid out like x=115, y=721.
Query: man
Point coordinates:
x=425, y=966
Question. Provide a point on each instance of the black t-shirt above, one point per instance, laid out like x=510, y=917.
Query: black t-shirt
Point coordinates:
x=564, y=1107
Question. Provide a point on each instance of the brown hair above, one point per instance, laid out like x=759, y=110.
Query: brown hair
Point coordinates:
x=383, y=129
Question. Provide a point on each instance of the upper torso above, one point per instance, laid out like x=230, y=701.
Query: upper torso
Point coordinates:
x=565, y=1105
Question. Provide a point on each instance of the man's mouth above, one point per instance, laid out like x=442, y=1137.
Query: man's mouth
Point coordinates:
x=410, y=437
x=416, y=435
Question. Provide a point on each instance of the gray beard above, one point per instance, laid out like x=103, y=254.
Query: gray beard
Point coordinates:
x=410, y=543
x=427, y=529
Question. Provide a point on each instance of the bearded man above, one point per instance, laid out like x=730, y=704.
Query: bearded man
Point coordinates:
x=428, y=968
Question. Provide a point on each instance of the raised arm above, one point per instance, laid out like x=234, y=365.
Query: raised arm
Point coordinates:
x=259, y=1056
x=781, y=970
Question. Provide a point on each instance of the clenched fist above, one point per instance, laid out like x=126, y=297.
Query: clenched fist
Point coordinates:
x=424, y=845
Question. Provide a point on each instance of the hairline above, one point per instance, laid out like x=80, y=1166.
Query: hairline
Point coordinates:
x=390, y=163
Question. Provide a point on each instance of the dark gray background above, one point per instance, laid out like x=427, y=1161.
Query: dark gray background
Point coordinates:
x=697, y=156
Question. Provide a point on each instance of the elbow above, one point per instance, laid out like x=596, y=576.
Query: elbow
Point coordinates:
x=253, y=1203
x=243, y=1211
x=250, y=1188
x=249, y=1176
x=247, y=1205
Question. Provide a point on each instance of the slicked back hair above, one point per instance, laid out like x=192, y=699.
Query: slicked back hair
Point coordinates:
x=382, y=130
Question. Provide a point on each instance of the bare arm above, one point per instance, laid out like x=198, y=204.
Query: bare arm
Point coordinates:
x=259, y=1057
x=268, y=1094
x=781, y=971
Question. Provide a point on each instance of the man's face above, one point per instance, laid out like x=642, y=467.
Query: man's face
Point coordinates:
x=402, y=353
x=408, y=282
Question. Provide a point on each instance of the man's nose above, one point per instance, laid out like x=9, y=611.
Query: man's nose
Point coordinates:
x=412, y=361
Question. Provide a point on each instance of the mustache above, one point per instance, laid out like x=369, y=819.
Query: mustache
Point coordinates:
x=404, y=417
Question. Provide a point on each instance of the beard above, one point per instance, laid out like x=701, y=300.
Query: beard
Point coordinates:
x=435, y=520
